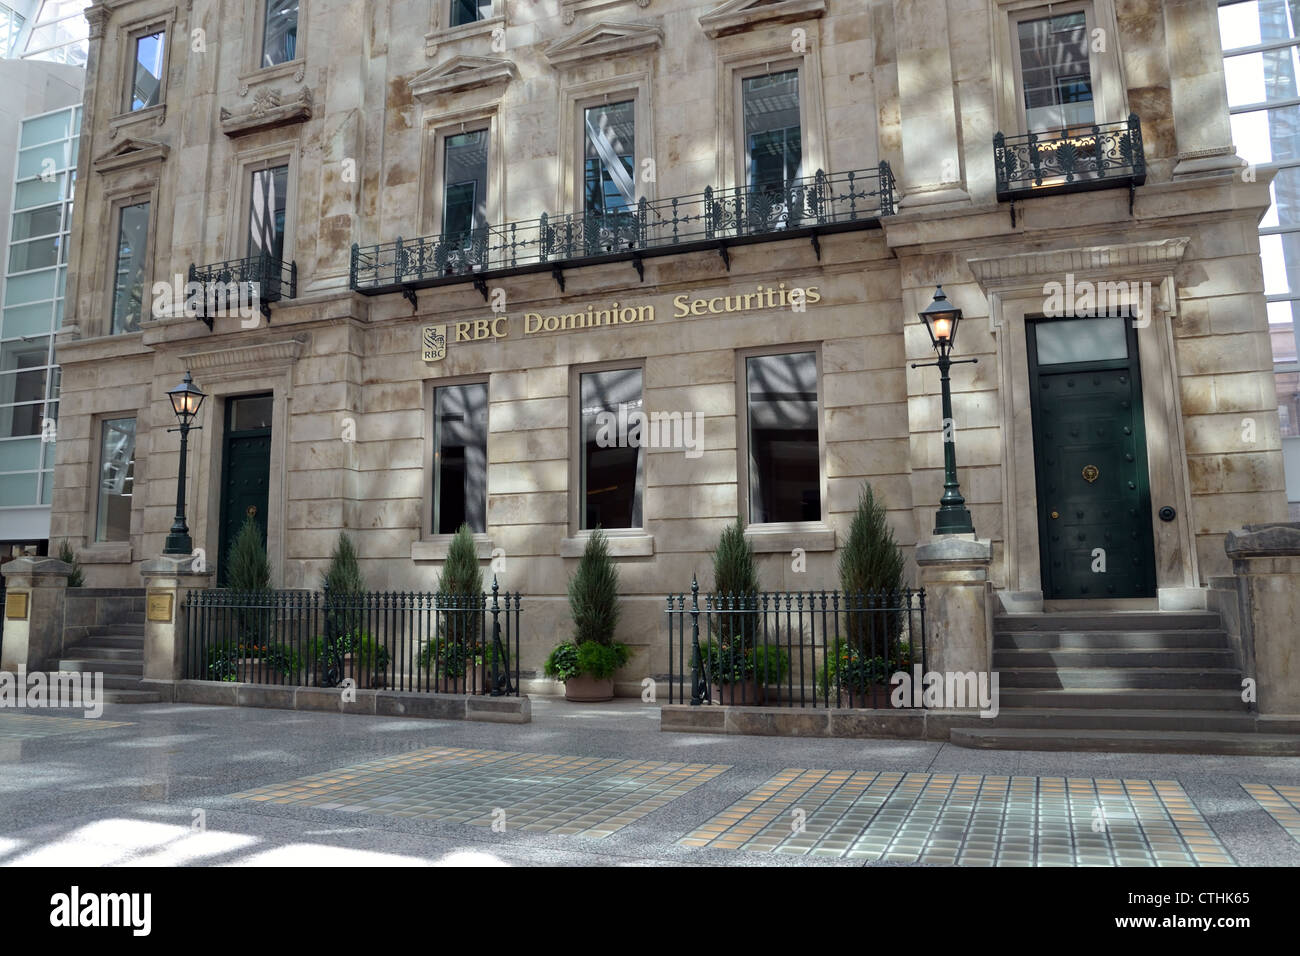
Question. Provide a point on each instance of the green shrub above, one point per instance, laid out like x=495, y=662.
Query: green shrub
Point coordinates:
x=734, y=664
x=871, y=562
x=343, y=582
x=77, y=579
x=247, y=567
x=601, y=661
x=460, y=586
x=771, y=664
x=853, y=671
x=593, y=593
x=735, y=584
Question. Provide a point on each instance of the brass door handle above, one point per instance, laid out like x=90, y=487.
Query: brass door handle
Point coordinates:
x=1056, y=514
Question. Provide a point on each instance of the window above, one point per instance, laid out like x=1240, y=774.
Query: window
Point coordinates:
x=784, y=450
x=773, y=135
x=280, y=32
x=1054, y=70
x=267, y=202
x=116, y=480
x=613, y=464
x=146, y=81
x=464, y=177
x=460, y=458
x=24, y=369
x=469, y=11
x=609, y=157
x=1261, y=64
x=130, y=266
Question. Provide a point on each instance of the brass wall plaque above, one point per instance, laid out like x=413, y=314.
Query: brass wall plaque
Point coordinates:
x=158, y=606
x=16, y=606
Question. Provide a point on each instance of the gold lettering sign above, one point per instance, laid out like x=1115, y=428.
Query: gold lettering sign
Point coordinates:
x=435, y=343
x=158, y=606
x=16, y=606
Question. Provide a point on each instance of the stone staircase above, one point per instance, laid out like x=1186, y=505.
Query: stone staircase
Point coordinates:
x=1124, y=681
x=117, y=650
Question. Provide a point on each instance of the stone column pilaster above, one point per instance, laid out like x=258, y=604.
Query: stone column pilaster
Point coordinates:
x=1266, y=563
x=34, y=610
x=166, y=579
x=932, y=171
x=1200, y=94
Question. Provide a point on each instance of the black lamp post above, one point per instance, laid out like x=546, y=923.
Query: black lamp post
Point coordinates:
x=186, y=399
x=941, y=318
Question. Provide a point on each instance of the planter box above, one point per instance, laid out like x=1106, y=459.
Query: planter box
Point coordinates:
x=589, y=690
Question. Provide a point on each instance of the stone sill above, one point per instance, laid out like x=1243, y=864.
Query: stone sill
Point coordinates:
x=636, y=544
x=435, y=547
x=264, y=73
x=122, y=120
x=450, y=34
x=772, y=538
x=115, y=552
x=382, y=703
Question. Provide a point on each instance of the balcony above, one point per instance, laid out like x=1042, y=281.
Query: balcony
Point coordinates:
x=230, y=288
x=1102, y=156
x=713, y=220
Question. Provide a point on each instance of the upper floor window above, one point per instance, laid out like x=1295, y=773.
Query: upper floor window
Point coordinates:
x=782, y=418
x=464, y=182
x=280, y=32
x=146, y=79
x=468, y=11
x=130, y=266
x=267, y=203
x=1055, y=70
x=773, y=132
x=609, y=157
x=116, y=480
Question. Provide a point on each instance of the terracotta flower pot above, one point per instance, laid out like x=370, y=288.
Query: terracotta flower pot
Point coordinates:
x=589, y=690
x=744, y=693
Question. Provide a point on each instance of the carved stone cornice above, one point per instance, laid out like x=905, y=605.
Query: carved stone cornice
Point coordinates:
x=737, y=15
x=97, y=15
x=130, y=152
x=1130, y=260
x=267, y=111
x=569, y=9
x=462, y=73
x=606, y=39
x=243, y=357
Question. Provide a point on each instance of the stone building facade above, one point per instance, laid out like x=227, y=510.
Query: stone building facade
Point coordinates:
x=292, y=133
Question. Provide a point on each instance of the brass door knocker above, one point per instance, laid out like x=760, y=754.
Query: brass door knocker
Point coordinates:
x=1090, y=473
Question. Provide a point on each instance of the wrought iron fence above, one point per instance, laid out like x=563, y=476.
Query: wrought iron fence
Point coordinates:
x=1105, y=154
x=408, y=641
x=822, y=202
x=226, y=284
x=793, y=648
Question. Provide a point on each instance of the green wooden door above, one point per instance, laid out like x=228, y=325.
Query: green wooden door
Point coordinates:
x=1094, y=496
x=245, y=470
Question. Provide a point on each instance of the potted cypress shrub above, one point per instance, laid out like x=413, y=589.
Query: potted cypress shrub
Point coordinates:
x=871, y=579
x=729, y=653
x=77, y=579
x=357, y=654
x=587, y=663
x=248, y=575
x=455, y=653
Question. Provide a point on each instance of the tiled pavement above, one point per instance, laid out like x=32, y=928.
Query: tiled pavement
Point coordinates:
x=968, y=819
x=1281, y=803
x=582, y=796
x=29, y=726
x=602, y=785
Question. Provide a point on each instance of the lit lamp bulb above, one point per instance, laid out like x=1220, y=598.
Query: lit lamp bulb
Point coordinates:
x=942, y=329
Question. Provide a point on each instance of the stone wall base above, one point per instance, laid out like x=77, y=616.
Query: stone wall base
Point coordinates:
x=909, y=724
x=376, y=703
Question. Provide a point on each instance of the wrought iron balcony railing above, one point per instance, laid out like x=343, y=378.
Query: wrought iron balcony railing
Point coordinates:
x=1077, y=159
x=714, y=219
x=231, y=286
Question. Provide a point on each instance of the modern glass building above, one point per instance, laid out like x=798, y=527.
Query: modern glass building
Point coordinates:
x=1261, y=48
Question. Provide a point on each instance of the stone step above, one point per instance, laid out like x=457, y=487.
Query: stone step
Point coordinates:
x=1207, y=639
x=1120, y=678
x=1120, y=719
x=99, y=664
x=1120, y=699
x=1108, y=621
x=101, y=652
x=124, y=629
x=1112, y=657
x=118, y=695
x=1128, y=741
x=113, y=640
